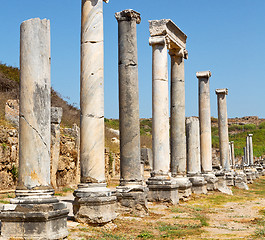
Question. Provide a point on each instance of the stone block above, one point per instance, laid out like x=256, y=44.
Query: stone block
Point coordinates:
x=184, y=188
x=162, y=190
x=56, y=115
x=199, y=185
x=211, y=180
x=34, y=221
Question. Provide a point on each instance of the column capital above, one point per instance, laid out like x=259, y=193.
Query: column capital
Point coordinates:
x=158, y=40
x=128, y=15
x=106, y=1
x=221, y=91
x=250, y=135
x=203, y=74
x=183, y=53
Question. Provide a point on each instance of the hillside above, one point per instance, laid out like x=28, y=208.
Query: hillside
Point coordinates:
x=9, y=89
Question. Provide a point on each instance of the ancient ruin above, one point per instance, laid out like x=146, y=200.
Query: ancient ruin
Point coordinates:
x=94, y=203
x=34, y=213
x=131, y=192
x=205, y=129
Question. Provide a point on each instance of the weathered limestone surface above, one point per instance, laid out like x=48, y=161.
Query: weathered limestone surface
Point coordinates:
x=247, y=151
x=233, y=154
x=35, y=213
x=205, y=129
x=147, y=158
x=251, y=160
x=199, y=185
x=223, y=128
x=161, y=186
x=12, y=111
x=131, y=193
x=56, y=117
x=93, y=202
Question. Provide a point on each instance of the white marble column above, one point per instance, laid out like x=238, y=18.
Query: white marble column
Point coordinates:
x=100, y=208
x=233, y=154
x=223, y=128
x=161, y=187
x=35, y=108
x=35, y=213
x=251, y=160
x=160, y=105
x=247, y=151
x=205, y=128
x=193, y=156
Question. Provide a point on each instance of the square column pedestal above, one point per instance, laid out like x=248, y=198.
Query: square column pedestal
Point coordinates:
x=34, y=217
x=132, y=199
x=212, y=181
x=221, y=184
x=199, y=184
x=162, y=189
x=241, y=180
x=94, y=204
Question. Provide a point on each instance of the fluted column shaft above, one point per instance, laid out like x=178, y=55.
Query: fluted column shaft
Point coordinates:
x=160, y=115
x=92, y=161
x=35, y=105
x=223, y=128
x=205, y=121
x=177, y=119
x=129, y=98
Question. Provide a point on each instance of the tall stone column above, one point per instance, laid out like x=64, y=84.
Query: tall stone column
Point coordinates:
x=93, y=201
x=161, y=187
x=35, y=213
x=247, y=151
x=178, y=161
x=199, y=185
x=233, y=154
x=251, y=160
x=223, y=128
x=56, y=117
x=131, y=191
x=205, y=129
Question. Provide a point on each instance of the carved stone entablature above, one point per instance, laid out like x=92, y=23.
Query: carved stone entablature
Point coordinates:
x=175, y=39
x=222, y=91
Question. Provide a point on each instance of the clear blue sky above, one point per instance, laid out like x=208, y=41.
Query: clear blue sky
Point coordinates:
x=226, y=37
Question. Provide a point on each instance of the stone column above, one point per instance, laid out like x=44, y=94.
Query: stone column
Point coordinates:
x=251, y=160
x=160, y=185
x=131, y=191
x=93, y=201
x=205, y=129
x=199, y=185
x=229, y=154
x=35, y=212
x=233, y=154
x=245, y=156
x=247, y=151
x=178, y=161
x=56, y=117
x=223, y=128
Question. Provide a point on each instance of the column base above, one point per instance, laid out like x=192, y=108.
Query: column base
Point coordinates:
x=94, y=204
x=184, y=187
x=221, y=184
x=211, y=181
x=34, y=221
x=132, y=199
x=250, y=176
x=162, y=189
x=241, y=180
x=199, y=185
x=229, y=178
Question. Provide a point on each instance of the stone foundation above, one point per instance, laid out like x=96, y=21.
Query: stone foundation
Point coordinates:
x=212, y=181
x=94, y=204
x=229, y=178
x=199, y=185
x=34, y=221
x=162, y=190
x=184, y=188
x=132, y=200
